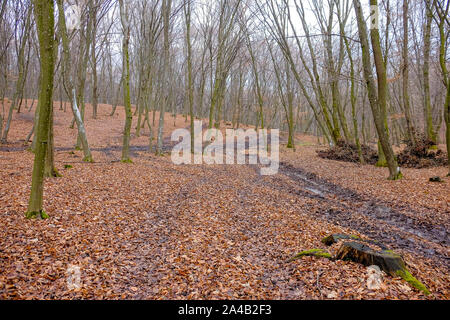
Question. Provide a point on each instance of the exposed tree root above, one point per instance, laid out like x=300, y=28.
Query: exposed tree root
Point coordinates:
x=320, y=253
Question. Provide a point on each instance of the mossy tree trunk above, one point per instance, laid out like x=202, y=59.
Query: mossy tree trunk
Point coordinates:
x=93, y=8
x=50, y=169
x=166, y=8
x=45, y=20
x=377, y=102
x=441, y=9
x=116, y=99
x=190, y=82
x=429, y=128
x=290, y=110
x=126, y=82
x=405, y=72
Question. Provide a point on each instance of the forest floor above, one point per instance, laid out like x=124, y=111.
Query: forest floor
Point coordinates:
x=154, y=230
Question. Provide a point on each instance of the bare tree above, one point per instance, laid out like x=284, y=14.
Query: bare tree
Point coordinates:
x=68, y=82
x=377, y=102
x=126, y=81
x=44, y=17
x=166, y=8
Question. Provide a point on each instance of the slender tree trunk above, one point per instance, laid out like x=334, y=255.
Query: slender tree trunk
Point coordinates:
x=376, y=103
x=442, y=19
x=21, y=79
x=257, y=84
x=116, y=99
x=290, y=111
x=82, y=69
x=50, y=170
x=68, y=83
x=94, y=61
x=187, y=13
x=126, y=82
x=353, y=97
x=429, y=128
x=166, y=7
x=45, y=20
x=406, y=100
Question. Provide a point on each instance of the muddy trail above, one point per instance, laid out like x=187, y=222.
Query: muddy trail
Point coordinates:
x=374, y=218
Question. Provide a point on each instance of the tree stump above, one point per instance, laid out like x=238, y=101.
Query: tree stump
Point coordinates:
x=389, y=261
x=358, y=250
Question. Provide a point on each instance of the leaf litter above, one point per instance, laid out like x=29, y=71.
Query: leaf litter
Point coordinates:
x=153, y=230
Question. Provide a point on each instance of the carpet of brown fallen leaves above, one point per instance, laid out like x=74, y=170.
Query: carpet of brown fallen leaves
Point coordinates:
x=153, y=230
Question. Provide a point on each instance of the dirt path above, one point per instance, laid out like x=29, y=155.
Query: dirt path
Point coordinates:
x=372, y=217
x=153, y=230
x=248, y=236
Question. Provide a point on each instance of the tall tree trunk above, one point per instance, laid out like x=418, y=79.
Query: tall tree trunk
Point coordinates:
x=187, y=13
x=353, y=97
x=82, y=68
x=259, y=96
x=116, y=99
x=166, y=6
x=68, y=83
x=50, y=170
x=21, y=78
x=45, y=20
x=126, y=82
x=93, y=7
x=429, y=128
x=442, y=11
x=377, y=103
x=290, y=110
x=405, y=71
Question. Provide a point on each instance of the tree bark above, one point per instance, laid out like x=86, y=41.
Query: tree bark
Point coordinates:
x=21, y=79
x=68, y=83
x=166, y=5
x=126, y=82
x=45, y=20
x=187, y=14
x=429, y=128
x=405, y=71
x=377, y=103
